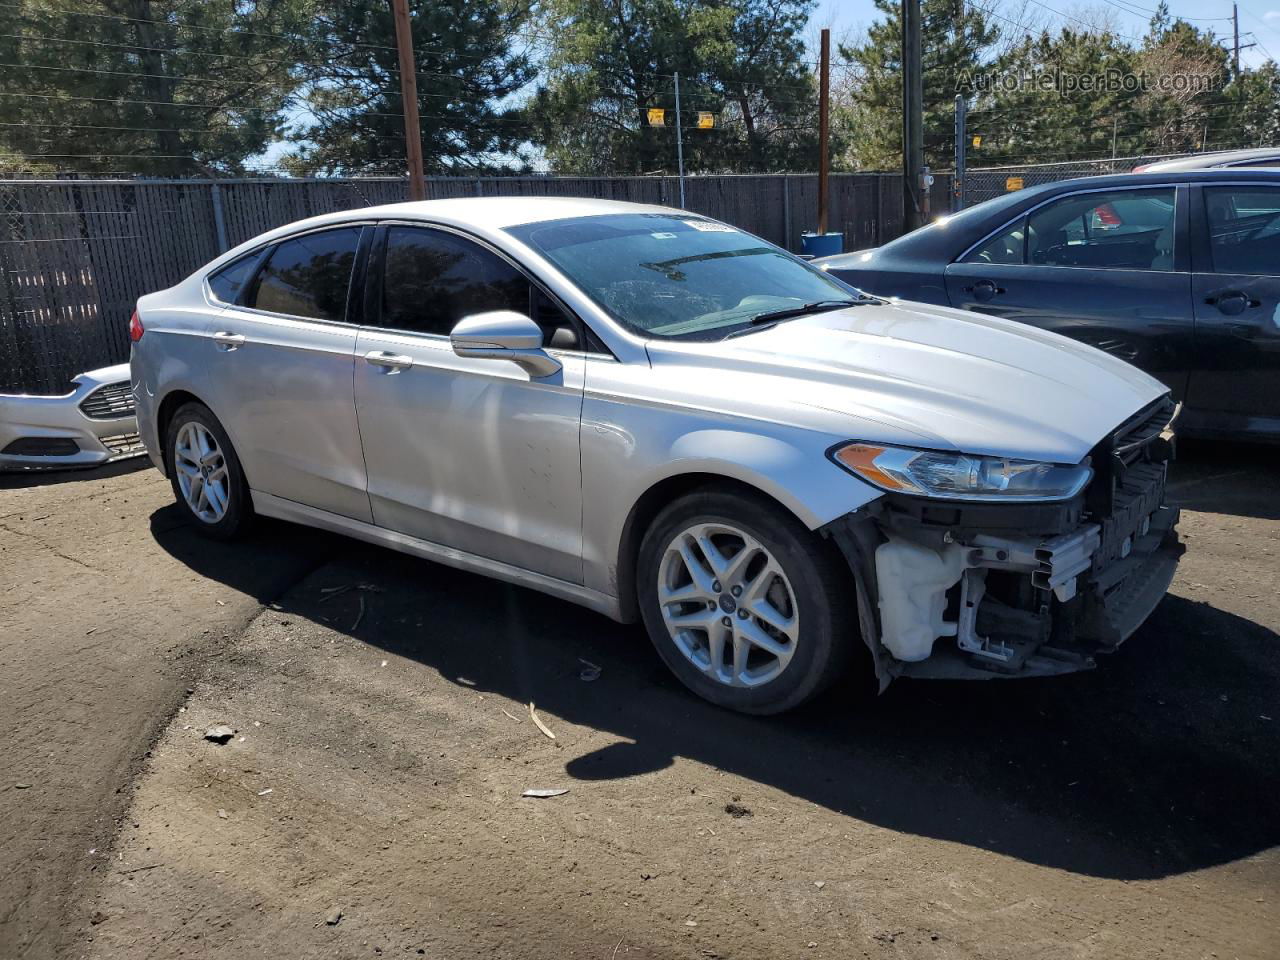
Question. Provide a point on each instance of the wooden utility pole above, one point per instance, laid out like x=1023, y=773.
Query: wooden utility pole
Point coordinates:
x=912, y=117
x=824, y=128
x=1235, y=23
x=409, y=99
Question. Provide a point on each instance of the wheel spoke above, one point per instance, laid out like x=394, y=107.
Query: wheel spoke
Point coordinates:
x=690, y=591
x=697, y=572
x=740, y=650
x=213, y=493
x=715, y=559
x=699, y=618
x=770, y=614
x=753, y=635
x=717, y=633
x=738, y=563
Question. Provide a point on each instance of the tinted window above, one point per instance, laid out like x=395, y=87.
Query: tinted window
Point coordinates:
x=1121, y=229
x=1244, y=229
x=433, y=279
x=678, y=275
x=1004, y=247
x=308, y=276
x=227, y=283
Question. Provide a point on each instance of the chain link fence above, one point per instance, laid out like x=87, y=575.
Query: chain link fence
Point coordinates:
x=985, y=183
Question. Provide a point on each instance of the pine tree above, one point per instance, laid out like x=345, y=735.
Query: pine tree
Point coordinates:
x=157, y=87
x=467, y=62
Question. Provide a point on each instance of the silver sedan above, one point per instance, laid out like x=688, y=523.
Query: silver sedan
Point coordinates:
x=665, y=419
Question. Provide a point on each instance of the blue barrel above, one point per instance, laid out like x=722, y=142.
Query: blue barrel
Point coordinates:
x=821, y=244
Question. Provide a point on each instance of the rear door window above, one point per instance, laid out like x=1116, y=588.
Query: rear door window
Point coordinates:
x=1117, y=230
x=1244, y=229
x=308, y=276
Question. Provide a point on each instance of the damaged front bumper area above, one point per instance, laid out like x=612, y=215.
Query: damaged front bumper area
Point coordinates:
x=953, y=590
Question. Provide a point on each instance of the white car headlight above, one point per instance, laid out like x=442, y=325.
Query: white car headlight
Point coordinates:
x=960, y=476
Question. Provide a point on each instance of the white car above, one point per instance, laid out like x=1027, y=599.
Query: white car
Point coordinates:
x=89, y=425
x=661, y=417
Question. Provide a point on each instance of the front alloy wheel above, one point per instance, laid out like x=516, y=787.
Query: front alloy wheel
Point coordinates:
x=748, y=608
x=727, y=605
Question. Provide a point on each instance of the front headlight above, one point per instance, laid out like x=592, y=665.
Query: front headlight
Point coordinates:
x=960, y=476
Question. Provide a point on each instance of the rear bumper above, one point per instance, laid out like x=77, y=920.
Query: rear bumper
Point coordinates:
x=41, y=432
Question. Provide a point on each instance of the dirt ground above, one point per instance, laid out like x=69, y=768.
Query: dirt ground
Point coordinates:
x=383, y=740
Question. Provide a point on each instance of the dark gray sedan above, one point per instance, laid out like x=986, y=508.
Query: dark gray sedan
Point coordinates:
x=1177, y=273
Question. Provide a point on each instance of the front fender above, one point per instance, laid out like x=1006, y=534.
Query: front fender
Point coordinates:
x=629, y=451
x=815, y=491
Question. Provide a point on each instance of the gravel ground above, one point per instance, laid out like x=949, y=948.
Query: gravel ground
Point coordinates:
x=384, y=739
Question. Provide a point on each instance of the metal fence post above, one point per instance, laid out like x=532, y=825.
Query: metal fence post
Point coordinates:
x=219, y=221
x=957, y=185
x=786, y=211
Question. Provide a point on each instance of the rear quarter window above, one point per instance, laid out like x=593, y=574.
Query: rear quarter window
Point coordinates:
x=228, y=282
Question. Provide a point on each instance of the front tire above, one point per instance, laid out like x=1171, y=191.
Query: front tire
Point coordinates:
x=205, y=473
x=750, y=610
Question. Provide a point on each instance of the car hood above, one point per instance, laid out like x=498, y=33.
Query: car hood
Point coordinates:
x=929, y=376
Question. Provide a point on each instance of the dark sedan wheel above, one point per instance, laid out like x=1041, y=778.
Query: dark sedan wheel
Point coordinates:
x=205, y=473
x=748, y=608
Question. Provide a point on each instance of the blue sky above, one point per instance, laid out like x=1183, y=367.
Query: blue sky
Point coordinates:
x=1259, y=17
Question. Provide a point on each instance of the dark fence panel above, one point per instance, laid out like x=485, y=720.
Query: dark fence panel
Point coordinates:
x=75, y=255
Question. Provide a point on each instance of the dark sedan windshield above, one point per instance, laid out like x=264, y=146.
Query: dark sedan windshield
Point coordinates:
x=678, y=275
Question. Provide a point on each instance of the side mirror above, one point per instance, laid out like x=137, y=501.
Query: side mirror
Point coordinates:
x=504, y=335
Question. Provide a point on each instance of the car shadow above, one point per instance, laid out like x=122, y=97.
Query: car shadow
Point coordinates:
x=18, y=479
x=1233, y=478
x=1160, y=762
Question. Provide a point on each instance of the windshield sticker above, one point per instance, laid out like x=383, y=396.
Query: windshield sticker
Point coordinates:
x=706, y=226
x=663, y=236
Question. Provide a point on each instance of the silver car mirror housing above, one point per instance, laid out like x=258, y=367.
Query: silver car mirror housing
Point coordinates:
x=504, y=335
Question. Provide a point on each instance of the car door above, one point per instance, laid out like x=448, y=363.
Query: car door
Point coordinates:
x=1106, y=267
x=1236, y=286
x=280, y=365
x=469, y=453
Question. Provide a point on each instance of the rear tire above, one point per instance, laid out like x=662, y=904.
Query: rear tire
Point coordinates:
x=749, y=609
x=205, y=473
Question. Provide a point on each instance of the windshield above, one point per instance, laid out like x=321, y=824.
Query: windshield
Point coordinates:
x=679, y=275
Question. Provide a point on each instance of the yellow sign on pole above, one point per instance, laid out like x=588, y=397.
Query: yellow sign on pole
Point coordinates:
x=977, y=141
x=1013, y=183
x=657, y=117
x=706, y=120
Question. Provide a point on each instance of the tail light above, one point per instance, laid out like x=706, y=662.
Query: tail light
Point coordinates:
x=1107, y=216
x=135, y=327
x=1140, y=168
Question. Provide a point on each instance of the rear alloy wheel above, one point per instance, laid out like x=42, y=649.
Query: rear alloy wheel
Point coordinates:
x=205, y=473
x=754, y=614
x=202, y=475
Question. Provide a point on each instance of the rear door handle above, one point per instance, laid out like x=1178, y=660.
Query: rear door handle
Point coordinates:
x=225, y=340
x=391, y=362
x=983, y=290
x=1232, y=303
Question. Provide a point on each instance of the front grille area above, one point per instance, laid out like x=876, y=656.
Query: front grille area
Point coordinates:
x=109, y=402
x=42, y=447
x=123, y=444
x=1130, y=442
x=1142, y=439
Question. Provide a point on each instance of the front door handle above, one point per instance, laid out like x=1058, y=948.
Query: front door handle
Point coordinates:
x=225, y=340
x=391, y=362
x=1232, y=303
x=983, y=290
